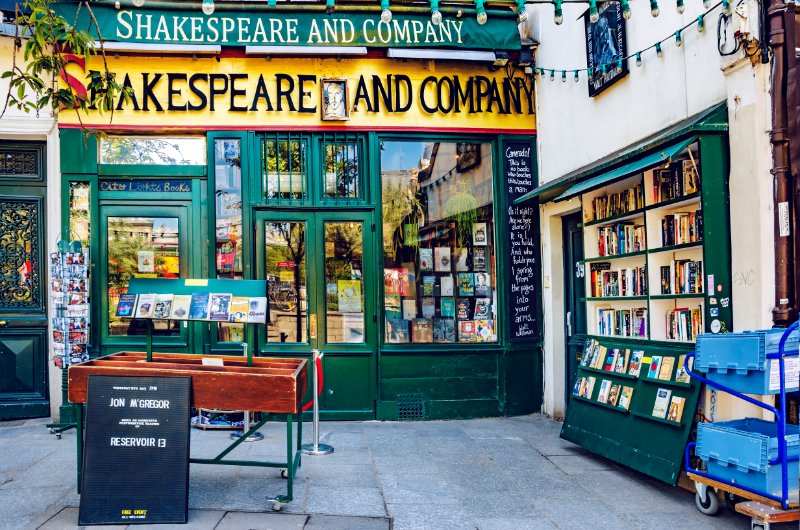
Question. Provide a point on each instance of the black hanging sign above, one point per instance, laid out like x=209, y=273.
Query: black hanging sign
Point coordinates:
x=605, y=46
x=522, y=245
x=136, y=459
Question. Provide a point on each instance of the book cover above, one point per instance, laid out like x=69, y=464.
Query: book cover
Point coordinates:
x=485, y=330
x=576, y=390
x=446, y=285
x=447, y=307
x=600, y=358
x=479, y=259
x=422, y=330
x=444, y=330
x=636, y=363
x=181, y=303
x=467, y=331
x=163, y=306
x=589, y=387
x=443, y=261
x=588, y=348
x=392, y=305
x=481, y=284
x=463, y=308
x=466, y=284
x=681, y=375
x=126, y=305
x=257, y=312
x=662, y=403
x=595, y=354
x=349, y=295
x=462, y=259
x=426, y=259
x=428, y=283
x=198, y=310
x=621, y=363
x=146, y=306
x=219, y=307
x=483, y=308
x=625, y=397
x=428, y=307
x=396, y=281
x=396, y=330
x=665, y=373
x=605, y=386
x=480, y=235
x=676, y=409
x=409, y=309
x=584, y=385
x=655, y=366
x=613, y=395
x=240, y=306
x=609, y=364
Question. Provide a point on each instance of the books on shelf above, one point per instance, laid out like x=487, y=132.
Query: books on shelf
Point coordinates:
x=636, y=363
x=605, y=387
x=680, y=178
x=613, y=395
x=126, y=305
x=620, y=238
x=661, y=404
x=181, y=303
x=240, y=306
x=219, y=307
x=676, y=409
x=683, y=324
x=620, y=282
x=682, y=276
x=681, y=228
x=665, y=372
x=198, y=310
x=622, y=322
x=617, y=203
x=145, y=306
x=625, y=397
x=585, y=386
x=257, y=312
x=681, y=375
x=655, y=366
x=163, y=306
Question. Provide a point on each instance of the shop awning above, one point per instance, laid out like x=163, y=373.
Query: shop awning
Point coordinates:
x=553, y=187
x=662, y=156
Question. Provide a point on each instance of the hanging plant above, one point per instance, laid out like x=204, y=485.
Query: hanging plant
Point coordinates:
x=400, y=207
x=462, y=207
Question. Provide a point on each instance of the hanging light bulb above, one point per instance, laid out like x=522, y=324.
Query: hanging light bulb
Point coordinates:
x=726, y=6
x=678, y=39
x=552, y=75
x=576, y=76
x=482, y=16
x=563, y=76
x=681, y=7
x=594, y=15
x=638, y=58
x=436, y=15
x=137, y=3
x=558, y=13
x=590, y=72
x=522, y=14
x=654, y=8
x=659, y=52
x=330, y=6
x=208, y=7
x=116, y=4
x=386, y=13
x=700, y=24
x=706, y=3
x=626, y=10
x=619, y=66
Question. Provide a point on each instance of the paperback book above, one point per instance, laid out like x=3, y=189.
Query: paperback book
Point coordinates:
x=181, y=303
x=443, y=260
x=396, y=330
x=625, y=397
x=613, y=395
x=126, y=305
x=481, y=281
x=636, y=363
x=146, y=306
x=219, y=307
x=422, y=330
x=665, y=373
x=240, y=306
x=466, y=284
x=444, y=330
x=621, y=363
x=605, y=386
x=447, y=307
x=676, y=409
x=462, y=259
x=257, y=311
x=428, y=283
x=483, y=308
x=655, y=366
x=163, y=306
x=467, y=331
x=198, y=310
x=681, y=375
x=428, y=307
x=463, y=308
x=446, y=285
x=479, y=259
x=426, y=259
x=392, y=306
x=409, y=309
x=662, y=403
x=485, y=330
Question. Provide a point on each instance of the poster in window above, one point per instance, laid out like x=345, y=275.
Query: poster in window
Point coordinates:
x=146, y=261
x=467, y=156
x=479, y=235
x=605, y=46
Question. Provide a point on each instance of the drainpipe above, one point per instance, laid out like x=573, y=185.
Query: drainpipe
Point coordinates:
x=783, y=313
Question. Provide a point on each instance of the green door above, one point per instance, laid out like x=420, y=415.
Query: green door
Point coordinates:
x=143, y=241
x=320, y=269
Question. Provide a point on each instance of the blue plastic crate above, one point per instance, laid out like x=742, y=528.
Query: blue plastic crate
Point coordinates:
x=739, y=451
x=739, y=360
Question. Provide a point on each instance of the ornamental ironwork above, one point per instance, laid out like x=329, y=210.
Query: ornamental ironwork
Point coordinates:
x=19, y=246
x=18, y=162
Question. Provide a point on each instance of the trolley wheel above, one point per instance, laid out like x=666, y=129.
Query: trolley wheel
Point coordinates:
x=284, y=473
x=709, y=505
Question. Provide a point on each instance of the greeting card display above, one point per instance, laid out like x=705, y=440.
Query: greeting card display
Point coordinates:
x=69, y=290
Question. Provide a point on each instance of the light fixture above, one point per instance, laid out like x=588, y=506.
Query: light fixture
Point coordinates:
x=137, y=3
x=726, y=6
x=525, y=57
x=500, y=60
x=563, y=76
x=638, y=58
x=706, y=3
x=700, y=24
x=436, y=15
x=678, y=39
x=386, y=13
x=680, y=6
x=594, y=15
x=552, y=75
x=619, y=66
x=330, y=6
x=208, y=7
x=626, y=10
x=522, y=14
x=576, y=76
x=654, y=8
x=482, y=16
x=116, y=4
x=659, y=52
x=559, y=12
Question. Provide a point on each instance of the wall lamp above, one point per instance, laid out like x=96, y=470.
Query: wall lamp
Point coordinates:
x=330, y=6
x=386, y=13
x=482, y=16
x=522, y=14
x=436, y=15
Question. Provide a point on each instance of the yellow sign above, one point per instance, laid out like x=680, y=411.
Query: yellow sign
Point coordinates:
x=196, y=283
x=257, y=93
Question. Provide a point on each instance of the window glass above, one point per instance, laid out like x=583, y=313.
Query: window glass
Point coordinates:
x=438, y=242
x=284, y=171
x=286, y=281
x=153, y=150
x=341, y=170
x=344, y=289
x=79, y=212
x=140, y=247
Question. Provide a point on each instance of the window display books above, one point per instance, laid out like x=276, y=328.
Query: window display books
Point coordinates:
x=485, y=331
x=665, y=373
x=481, y=284
x=621, y=362
x=444, y=330
x=396, y=330
x=681, y=375
x=662, y=403
x=655, y=366
x=625, y=397
x=198, y=310
x=426, y=259
x=396, y=281
x=257, y=313
x=409, y=309
x=462, y=308
x=479, y=234
x=462, y=259
x=422, y=330
x=428, y=283
x=428, y=307
x=146, y=306
x=605, y=386
x=163, y=306
x=181, y=303
x=447, y=307
x=613, y=395
x=479, y=259
x=446, y=285
x=240, y=306
x=636, y=363
x=676, y=409
x=466, y=284
x=483, y=308
x=126, y=305
x=588, y=389
x=392, y=306
x=219, y=307
x=443, y=261
x=467, y=331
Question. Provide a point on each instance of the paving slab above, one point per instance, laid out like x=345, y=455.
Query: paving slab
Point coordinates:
x=337, y=522
x=261, y=521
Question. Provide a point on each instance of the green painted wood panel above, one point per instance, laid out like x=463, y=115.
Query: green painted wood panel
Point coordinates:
x=78, y=153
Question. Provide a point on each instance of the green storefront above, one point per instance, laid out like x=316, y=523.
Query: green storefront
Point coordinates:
x=373, y=194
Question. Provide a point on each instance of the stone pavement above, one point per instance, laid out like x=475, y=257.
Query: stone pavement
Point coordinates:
x=495, y=473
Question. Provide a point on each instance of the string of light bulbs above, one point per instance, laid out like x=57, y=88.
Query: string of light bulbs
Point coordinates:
x=637, y=56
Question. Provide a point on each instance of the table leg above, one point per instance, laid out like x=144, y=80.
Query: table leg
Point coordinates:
x=79, y=442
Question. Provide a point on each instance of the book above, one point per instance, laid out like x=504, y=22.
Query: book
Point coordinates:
x=428, y=307
x=676, y=409
x=426, y=259
x=198, y=310
x=447, y=307
x=257, y=311
x=481, y=284
x=443, y=262
x=636, y=363
x=479, y=259
x=463, y=308
x=409, y=309
x=681, y=375
x=611, y=357
x=349, y=296
x=428, y=282
x=662, y=403
x=605, y=386
x=422, y=330
x=392, y=306
x=467, y=331
x=462, y=259
x=479, y=234
x=613, y=395
x=180, y=306
x=126, y=305
x=600, y=358
x=240, y=306
x=665, y=373
x=655, y=366
x=466, y=284
x=588, y=348
x=576, y=390
x=485, y=330
x=621, y=363
x=483, y=308
x=625, y=397
x=163, y=306
x=589, y=387
x=145, y=306
x=219, y=307
x=446, y=285
x=595, y=354
x=396, y=281
x=396, y=330
x=444, y=330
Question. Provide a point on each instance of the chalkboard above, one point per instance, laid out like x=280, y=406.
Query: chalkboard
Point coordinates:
x=522, y=245
x=136, y=459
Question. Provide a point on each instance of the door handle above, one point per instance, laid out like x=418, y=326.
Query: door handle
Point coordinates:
x=569, y=323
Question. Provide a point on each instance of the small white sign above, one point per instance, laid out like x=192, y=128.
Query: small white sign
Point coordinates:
x=146, y=261
x=792, y=366
x=213, y=361
x=783, y=219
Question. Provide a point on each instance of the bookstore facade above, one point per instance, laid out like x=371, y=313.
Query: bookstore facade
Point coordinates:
x=373, y=194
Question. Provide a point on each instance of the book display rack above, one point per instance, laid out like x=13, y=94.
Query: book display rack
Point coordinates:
x=69, y=290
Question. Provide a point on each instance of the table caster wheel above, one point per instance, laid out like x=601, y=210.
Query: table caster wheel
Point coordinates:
x=709, y=505
x=284, y=473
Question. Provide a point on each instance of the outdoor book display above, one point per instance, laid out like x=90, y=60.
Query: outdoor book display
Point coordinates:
x=69, y=290
x=657, y=272
x=271, y=386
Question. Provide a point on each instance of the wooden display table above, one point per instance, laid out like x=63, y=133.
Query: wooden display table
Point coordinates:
x=266, y=385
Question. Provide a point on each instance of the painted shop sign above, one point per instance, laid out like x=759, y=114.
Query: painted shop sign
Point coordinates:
x=150, y=186
x=298, y=29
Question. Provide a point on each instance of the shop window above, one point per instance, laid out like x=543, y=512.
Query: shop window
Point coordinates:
x=286, y=281
x=153, y=150
x=140, y=247
x=284, y=171
x=342, y=174
x=344, y=292
x=79, y=212
x=438, y=242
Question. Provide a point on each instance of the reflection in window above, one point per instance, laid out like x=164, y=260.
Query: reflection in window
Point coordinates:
x=140, y=247
x=79, y=212
x=284, y=171
x=438, y=242
x=153, y=150
x=344, y=289
x=341, y=170
x=286, y=282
